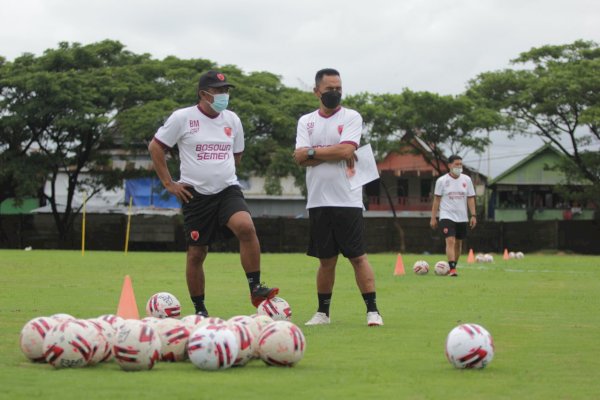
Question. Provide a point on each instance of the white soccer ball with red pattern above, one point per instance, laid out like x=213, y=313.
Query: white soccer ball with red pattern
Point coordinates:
x=441, y=268
x=245, y=341
x=163, y=305
x=248, y=321
x=137, y=346
x=173, y=335
x=211, y=321
x=261, y=320
x=421, y=267
x=213, y=347
x=70, y=344
x=32, y=337
x=276, y=308
x=113, y=320
x=253, y=325
x=281, y=343
x=102, y=344
x=469, y=346
x=192, y=321
x=519, y=255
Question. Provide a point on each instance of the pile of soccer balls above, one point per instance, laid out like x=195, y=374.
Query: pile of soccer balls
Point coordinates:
x=421, y=267
x=212, y=343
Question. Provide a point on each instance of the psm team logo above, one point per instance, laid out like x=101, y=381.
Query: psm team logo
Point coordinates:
x=340, y=129
x=445, y=231
x=221, y=77
x=464, y=184
x=195, y=235
x=227, y=131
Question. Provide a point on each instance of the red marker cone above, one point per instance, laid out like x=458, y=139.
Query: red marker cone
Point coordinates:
x=127, y=308
x=399, y=270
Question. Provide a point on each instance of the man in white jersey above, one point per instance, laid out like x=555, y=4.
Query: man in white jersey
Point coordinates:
x=325, y=143
x=454, y=192
x=210, y=139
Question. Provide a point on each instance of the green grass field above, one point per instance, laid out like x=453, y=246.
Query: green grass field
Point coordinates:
x=543, y=312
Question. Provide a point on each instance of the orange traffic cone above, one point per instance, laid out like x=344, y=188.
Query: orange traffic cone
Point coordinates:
x=399, y=270
x=127, y=306
x=471, y=257
x=505, y=256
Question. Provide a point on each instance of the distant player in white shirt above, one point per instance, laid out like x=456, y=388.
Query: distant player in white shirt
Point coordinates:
x=454, y=193
x=325, y=143
x=210, y=139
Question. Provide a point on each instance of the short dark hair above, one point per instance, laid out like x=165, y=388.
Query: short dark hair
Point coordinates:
x=453, y=158
x=325, y=71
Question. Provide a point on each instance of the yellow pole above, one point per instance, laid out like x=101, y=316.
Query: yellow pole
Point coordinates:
x=128, y=224
x=83, y=225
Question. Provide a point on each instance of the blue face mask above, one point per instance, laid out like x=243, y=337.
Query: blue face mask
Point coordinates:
x=220, y=102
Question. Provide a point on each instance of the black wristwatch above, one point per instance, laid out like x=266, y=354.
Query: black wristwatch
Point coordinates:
x=311, y=153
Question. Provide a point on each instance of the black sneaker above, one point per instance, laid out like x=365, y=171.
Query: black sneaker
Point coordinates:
x=261, y=293
x=203, y=313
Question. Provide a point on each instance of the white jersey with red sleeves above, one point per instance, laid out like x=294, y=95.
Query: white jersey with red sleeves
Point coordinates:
x=454, y=193
x=327, y=183
x=206, y=147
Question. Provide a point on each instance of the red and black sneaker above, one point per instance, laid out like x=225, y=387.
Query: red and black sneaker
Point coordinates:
x=261, y=293
x=453, y=272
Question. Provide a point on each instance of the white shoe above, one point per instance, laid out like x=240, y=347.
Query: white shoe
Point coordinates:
x=374, y=319
x=318, y=319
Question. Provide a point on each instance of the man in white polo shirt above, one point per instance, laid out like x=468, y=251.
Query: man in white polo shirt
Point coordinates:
x=210, y=139
x=325, y=143
x=454, y=193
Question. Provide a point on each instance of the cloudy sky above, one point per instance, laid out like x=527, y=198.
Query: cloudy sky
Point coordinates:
x=378, y=46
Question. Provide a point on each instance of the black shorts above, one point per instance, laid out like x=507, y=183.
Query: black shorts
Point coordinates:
x=334, y=230
x=205, y=217
x=451, y=228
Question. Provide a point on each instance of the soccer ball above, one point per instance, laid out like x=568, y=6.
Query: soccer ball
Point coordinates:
x=192, y=321
x=102, y=345
x=60, y=317
x=70, y=344
x=488, y=258
x=512, y=254
x=247, y=321
x=262, y=321
x=469, y=346
x=211, y=321
x=245, y=341
x=480, y=258
x=137, y=346
x=421, y=267
x=282, y=344
x=441, y=268
x=276, y=308
x=112, y=319
x=213, y=347
x=173, y=335
x=519, y=255
x=32, y=337
x=253, y=325
x=163, y=305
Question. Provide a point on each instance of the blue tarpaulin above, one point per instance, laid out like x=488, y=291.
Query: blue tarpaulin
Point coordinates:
x=149, y=192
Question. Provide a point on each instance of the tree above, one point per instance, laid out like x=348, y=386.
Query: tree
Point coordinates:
x=439, y=123
x=61, y=107
x=554, y=94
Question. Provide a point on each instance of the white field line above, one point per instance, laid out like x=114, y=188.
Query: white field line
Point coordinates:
x=499, y=268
